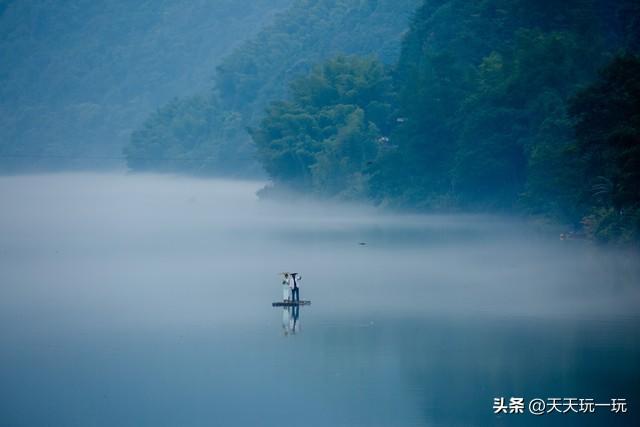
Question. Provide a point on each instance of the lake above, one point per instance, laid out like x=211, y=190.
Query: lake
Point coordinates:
x=142, y=300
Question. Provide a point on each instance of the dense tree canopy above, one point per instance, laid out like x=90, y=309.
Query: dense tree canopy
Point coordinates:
x=260, y=70
x=485, y=111
x=331, y=129
x=607, y=124
x=503, y=105
x=308, y=33
x=193, y=134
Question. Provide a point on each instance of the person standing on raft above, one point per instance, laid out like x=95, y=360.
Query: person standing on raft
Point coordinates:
x=286, y=288
x=293, y=284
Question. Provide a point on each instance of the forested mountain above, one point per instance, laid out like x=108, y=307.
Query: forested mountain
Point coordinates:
x=526, y=106
x=606, y=151
x=310, y=31
x=186, y=135
x=76, y=76
x=330, y=130
x=479, y=83
x=488, y=111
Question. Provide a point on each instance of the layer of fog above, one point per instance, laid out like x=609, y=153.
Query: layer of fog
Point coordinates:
x=106, y=249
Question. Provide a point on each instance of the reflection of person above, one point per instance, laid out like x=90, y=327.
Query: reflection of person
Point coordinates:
x=293, y=284
x=286, y=290
x=294, y=323
x=286, y=316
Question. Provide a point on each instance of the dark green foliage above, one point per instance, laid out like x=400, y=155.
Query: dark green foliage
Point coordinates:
x=477, y=118
x=261, y=69
x=326, y=135
x=306, y=34
x=192, y=134
x=509, y=115
x=489, y=105
x=480, y=84
x=607, y=124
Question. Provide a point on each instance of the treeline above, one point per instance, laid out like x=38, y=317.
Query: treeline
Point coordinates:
x=524, y=105
x=76, y=77
x=207, y=133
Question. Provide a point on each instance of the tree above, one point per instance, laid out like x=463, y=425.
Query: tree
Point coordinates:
x=607, y=126
x=325, y=136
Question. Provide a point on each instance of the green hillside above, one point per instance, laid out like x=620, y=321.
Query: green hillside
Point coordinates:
x=185, y=136
x=513, y=106
x=76, y=77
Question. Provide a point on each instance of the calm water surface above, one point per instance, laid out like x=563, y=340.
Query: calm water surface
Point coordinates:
x=146, y=301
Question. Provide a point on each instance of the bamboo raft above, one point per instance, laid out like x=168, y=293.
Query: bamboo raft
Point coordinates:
x=290, y=303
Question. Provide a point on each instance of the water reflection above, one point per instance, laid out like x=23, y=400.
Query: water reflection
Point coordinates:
x=118, y=308
x=291, y=320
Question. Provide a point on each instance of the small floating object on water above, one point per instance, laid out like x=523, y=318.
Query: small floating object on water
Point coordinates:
x=362, y=243
x=290, y=303
x=571, y=235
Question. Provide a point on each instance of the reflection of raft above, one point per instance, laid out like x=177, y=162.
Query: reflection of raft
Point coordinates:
x=290, y=303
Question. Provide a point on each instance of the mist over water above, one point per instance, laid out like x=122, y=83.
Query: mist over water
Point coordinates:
x=146, y=300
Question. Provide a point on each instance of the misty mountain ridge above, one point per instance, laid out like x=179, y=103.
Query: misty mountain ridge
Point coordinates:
x=78, y=76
